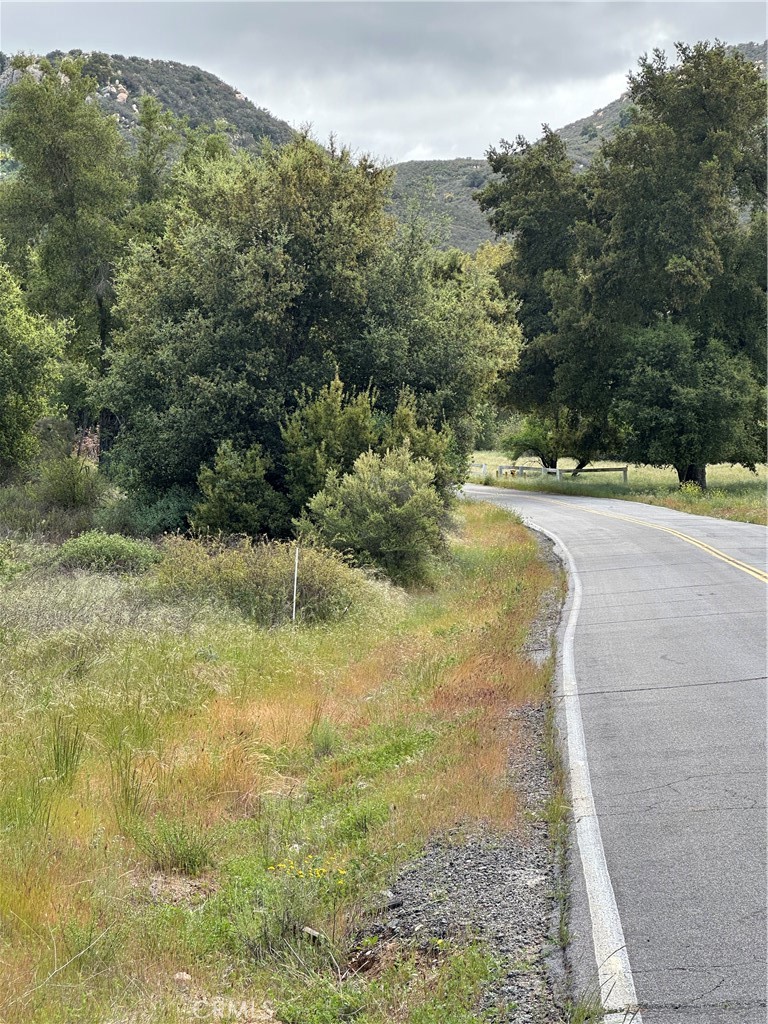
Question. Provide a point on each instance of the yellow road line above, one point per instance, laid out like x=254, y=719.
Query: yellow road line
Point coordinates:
x=758, y=574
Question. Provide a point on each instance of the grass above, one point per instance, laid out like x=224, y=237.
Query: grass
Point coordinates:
x=185, y=792
x=732, y=493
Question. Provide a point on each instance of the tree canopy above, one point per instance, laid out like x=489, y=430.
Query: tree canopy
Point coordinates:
x=645, y=276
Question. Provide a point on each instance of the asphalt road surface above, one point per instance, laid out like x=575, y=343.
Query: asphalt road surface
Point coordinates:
x=663, y=669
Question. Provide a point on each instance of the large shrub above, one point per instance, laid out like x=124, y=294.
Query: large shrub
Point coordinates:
x=327, y=431
x=257, y=578
x=387, y=512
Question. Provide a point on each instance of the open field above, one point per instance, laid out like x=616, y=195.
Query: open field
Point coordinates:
x=182, y=792
x=733, y=492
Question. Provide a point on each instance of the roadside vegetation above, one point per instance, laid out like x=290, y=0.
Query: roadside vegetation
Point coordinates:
x=185, y=791
x=733, y=492
x=210, y=358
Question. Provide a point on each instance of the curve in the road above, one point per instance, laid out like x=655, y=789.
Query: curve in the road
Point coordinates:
x=670, y=651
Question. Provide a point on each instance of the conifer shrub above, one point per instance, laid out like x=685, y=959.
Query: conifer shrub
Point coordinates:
x=237, y=498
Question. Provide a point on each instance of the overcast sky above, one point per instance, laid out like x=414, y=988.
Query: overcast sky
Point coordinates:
x=399, y=80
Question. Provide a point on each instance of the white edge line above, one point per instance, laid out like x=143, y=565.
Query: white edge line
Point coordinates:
x=617, y=986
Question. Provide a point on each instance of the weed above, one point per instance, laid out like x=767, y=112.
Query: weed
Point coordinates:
x=324, y=737
x=130, y=785
x=67, y=741
x=175, y=845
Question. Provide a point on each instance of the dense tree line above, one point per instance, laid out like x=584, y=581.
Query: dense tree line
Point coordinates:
x=642, y=280
x=239, y=326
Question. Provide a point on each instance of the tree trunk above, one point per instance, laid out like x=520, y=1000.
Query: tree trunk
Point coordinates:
x=579, y=466
x=692, y=474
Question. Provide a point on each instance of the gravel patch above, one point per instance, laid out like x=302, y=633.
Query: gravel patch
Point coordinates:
x=497, y=888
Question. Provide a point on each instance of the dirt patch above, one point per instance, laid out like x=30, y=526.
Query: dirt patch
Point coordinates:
x=174, y=890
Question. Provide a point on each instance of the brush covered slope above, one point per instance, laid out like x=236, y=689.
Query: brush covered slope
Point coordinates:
x=187, y=91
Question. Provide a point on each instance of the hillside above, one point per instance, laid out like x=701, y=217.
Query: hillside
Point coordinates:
x=188, y=91
x=454, y=180
x=442, y=191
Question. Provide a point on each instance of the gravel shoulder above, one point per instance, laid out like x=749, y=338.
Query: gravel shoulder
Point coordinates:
x=498, y=888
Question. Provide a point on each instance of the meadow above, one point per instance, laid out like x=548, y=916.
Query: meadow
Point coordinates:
x=199, y=812
x=732, y=491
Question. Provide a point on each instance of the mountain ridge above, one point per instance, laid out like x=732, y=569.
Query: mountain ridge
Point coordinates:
x=442, y=190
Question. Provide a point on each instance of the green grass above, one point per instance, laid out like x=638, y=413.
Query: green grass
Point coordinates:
x=185, y=790
x=732, y=493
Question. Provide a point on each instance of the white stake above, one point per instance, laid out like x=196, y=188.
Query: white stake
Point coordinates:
x=295, y=582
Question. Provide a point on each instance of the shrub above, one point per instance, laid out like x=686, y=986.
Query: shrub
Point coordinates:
x=69, y=483
x=425, y=442
x=236, y=496
x=62, y=499
x=387, y=511
x=107, y=552
x=143, y=514
x=257, y=578
x=327, y=431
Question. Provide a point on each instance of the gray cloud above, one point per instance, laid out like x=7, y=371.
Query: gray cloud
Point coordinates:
x=396, y=79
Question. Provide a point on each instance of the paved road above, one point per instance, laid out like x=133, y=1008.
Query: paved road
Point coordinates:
x=669, y=651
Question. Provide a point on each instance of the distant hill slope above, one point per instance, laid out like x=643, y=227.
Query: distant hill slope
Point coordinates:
x=583, y=137
x=442, y=191
x=454, y=180
x=188, y=91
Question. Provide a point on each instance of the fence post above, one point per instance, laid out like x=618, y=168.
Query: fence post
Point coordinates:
x=624, y=474
x=557, y=473
x=295, y=582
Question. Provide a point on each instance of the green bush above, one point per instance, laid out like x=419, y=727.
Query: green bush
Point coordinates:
x=327, y=431
x=142, y=514
x=257, y=578
x=386, y=512
x=236, y=496
x=62, y=498
x=426, y=442
x=107, y=552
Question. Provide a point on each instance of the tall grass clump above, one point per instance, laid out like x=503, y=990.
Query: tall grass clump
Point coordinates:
x=178, y=845
x=257, y=579
x=107, y=552
x=66, y=746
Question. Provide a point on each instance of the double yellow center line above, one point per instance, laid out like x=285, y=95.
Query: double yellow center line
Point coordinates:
x=758, y=574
